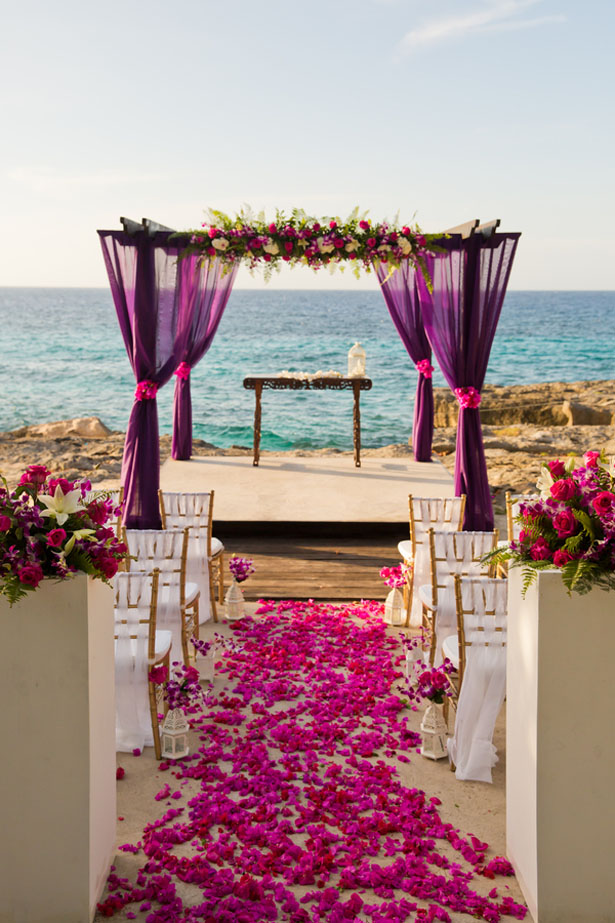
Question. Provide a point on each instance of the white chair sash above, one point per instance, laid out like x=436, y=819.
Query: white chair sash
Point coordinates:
x=484, y=680
x=133, y=726
x=192, y=510
x=440, y=513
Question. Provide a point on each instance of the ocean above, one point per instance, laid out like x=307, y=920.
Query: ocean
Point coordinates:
x=62, y=356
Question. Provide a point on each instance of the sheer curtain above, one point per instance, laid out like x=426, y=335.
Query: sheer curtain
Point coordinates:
x=133, y=723
x=155, y=325
x=460, y=317
x=205, y=287
x=402, y=300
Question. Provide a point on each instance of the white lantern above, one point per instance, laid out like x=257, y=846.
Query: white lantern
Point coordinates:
x=394, y=612
x=356, y=361
x=434, y=733
x=174, y=735
x=234, y=602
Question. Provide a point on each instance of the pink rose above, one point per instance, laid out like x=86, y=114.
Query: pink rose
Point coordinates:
x=591, y=459
x=5, y=523
x=211, y=251
x=603, y=503
x=371, y=241
x=364, y=225
x=34, y=474
x=31, y=574
x=557, y=468
x=56, y=537
x=288, y=246
x=272, y=228
x=405, y=230
x=564, y=523
x=108, y=566
x=66, y=486
x=561, y=557
x=333, y=225
x=564, y=489
x=267, y=257
x=352, y=256
x=421, y=240
x=338, y=242
x=158, y=675
x=540, y=551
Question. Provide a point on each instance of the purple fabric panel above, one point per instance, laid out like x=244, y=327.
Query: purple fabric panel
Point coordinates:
x=154, y=326
x=402, y=300
x=204, y=287
x=460, y=317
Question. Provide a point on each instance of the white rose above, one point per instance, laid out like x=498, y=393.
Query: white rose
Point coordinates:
x=271, y=248
x=350, y=246
x=220, y=243
x=404, y=245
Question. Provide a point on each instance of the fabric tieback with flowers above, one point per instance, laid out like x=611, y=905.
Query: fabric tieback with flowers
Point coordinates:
x=468, y=397
x=424, y=368
x=146, y=391
x=182, y=371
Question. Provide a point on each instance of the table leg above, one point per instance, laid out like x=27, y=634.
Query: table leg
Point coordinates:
x=258, y=390
x=356, y=424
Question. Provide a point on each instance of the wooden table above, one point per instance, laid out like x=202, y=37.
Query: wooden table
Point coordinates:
x=256, y=383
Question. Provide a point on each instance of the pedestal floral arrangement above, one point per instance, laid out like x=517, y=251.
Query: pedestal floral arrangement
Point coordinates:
x=50, y=529
x=571, y=527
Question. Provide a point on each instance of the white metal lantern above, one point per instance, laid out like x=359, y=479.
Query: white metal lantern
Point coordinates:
x=394, y=612
x=174, y=735
x=356, y=361
x=434, y=733
x=234, y=602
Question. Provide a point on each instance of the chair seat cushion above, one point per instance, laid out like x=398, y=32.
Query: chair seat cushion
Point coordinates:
x=450, y=649
x=216, y=547
x=405, y=550
x=425, y=595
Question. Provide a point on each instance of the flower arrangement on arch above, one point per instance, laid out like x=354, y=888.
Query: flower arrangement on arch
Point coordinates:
x=51, y=528
x=571, y=527
x=299, y=239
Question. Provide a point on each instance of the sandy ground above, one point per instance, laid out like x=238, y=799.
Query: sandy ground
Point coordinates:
x=473, y=807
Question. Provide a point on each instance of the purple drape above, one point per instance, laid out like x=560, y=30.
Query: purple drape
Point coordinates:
x=155, y=325
x=460, y=317
x=205, y=287
x=403, y=302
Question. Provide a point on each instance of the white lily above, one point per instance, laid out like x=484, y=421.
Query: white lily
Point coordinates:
x=608, y=466
x=544, y=482
x=77, y=534
x=61, y=505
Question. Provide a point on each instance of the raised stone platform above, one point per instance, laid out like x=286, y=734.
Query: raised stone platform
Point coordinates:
x=308, y=489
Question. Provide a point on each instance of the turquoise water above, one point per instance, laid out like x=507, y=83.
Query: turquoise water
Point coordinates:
x=62, y=356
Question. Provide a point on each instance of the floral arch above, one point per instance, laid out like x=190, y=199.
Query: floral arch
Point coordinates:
x=444, y=293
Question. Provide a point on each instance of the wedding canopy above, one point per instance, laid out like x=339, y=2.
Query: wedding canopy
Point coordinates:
x=444, y=294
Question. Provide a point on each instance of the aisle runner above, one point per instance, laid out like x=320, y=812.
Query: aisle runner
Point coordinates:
x=300, y=814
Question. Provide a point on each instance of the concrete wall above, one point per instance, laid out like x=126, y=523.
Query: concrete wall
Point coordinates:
x=560, y=749
x=58, y=808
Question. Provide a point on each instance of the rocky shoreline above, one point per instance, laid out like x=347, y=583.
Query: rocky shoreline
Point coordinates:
x=522, y=425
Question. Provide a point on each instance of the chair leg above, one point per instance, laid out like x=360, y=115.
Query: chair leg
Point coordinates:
x=154, y=692
x=221, y=578
x=190, y=629
x=212, y=594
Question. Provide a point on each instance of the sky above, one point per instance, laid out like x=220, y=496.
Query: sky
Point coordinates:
x=438, y=112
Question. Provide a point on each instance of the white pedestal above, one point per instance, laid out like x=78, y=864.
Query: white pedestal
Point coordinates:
x=58, y=807
x=560, y=749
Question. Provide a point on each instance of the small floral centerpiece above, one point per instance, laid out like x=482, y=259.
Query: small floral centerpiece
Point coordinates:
x=241, y=568
x=571, y=526
x=182, y=688
x=434, y=684
x=395, y=577
x=51, y=528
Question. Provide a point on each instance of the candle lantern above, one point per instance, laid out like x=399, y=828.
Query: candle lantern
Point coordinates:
x=394, y=612
x=356, y=361
x=174, y=735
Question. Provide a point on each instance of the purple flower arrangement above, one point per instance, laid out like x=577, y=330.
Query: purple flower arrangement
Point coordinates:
x=301, y=239
x=182, y=687
x=571, y=527
x=50, y=529
x=434, y=684
x=395, y=576
x=241, y=568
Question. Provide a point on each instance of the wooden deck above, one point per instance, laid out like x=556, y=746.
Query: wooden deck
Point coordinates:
x=312, y=566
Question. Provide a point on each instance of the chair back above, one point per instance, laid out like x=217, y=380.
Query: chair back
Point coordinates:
x=163, y=549
x=481, y=604
x=457, y=553
x=512, y=509
x=136, y=600
x=189, y=510
x=443, y=513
